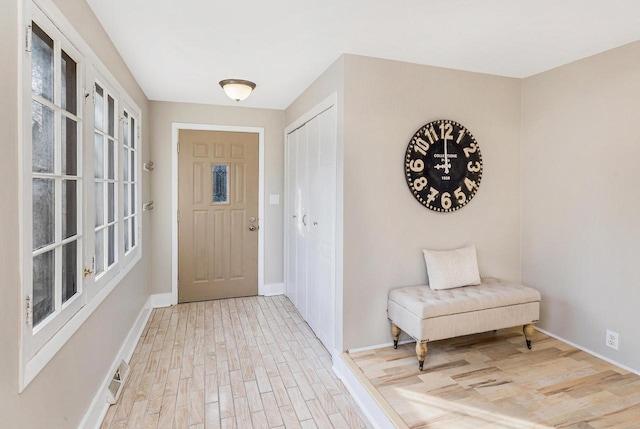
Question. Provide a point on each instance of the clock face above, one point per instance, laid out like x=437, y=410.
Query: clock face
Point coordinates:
x=443, y=166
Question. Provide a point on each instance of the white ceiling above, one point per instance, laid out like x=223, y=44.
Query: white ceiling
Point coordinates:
x=178, y=50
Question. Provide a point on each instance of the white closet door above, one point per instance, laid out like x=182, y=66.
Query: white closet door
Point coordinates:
x=326, y=227
x=314, y=286
x=311, y=189
x=302, y=198
x=292, y=218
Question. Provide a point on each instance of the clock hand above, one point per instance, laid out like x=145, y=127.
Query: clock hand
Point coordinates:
x=445, y=163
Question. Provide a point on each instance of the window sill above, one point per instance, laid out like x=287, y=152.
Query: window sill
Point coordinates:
x=31, y=368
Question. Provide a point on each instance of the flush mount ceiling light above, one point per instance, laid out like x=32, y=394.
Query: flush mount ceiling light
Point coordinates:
x=237, y=89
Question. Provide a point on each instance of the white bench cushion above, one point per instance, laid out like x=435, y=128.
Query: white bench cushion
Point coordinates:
x=430, y=315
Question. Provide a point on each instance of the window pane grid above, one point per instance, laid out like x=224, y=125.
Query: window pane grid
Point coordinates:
x=131, y=188
x=53, y=158
x=106, y=179
x=56, y=181
x=46, y=249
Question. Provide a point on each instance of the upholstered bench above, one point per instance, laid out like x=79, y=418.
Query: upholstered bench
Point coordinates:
x=429, y=315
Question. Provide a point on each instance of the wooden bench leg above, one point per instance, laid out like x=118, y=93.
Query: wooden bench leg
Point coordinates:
x=421, y=351
x=528, y=334
x=395, y=331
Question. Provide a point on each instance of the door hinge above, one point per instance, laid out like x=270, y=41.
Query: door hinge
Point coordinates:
x=29, y=310
x=178, y=147
x=27, y=38
x=178, y=215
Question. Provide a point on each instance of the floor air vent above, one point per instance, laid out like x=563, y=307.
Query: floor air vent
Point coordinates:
x=117, y=382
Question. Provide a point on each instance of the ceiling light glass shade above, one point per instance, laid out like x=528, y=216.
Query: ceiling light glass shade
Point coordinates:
x=237, y=89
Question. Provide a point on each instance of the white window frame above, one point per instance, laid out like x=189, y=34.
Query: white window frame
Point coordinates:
x=63, y=312
x=102, y=278
x=134, y=179
x=91, y=293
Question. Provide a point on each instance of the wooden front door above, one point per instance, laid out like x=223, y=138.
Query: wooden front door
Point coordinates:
x=218, y=215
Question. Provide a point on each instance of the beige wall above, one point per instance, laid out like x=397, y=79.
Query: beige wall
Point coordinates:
x=580, y=200
x=385, y=228
x=163, y=114
x=61, y=394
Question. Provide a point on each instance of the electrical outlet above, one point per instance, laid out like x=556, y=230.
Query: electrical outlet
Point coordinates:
x=612, y=339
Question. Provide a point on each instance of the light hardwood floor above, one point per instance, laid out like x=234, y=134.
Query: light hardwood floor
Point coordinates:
x=234, y=363
x=491, y=380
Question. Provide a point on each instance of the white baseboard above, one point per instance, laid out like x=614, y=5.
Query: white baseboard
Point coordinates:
x=377, y=418
x=379, y=346
x=599, y=356
x=272, y=289
x=161, y=300
x=98, y=408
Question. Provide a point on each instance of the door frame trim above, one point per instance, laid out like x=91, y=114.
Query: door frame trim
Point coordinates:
x=175, y=131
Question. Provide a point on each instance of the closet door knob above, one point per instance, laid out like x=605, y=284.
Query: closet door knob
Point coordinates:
x=304, y=220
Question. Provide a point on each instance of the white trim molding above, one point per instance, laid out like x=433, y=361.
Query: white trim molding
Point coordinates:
x=345, y=369
x=271, y=289
x=175, y=132
x=379, y=346
x=99, y=406
x=599, y=356
x=159, y=300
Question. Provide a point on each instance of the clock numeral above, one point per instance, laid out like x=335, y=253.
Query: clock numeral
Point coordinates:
x=460, y=135
x=432, y=195
x=460, y=196
x=445, y=200
x=473, y=167
x=470, y=184
x=416, y=165
x=473, y=147
x=432, y=135
x=421, y=146
x=420, y=183
x=445, y=131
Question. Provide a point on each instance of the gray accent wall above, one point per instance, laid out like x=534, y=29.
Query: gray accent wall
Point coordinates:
x=580, y=199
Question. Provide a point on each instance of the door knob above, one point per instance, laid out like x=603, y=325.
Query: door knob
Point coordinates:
x=86, y=272
x=252, y=227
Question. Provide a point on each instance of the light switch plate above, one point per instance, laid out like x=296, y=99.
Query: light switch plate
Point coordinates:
x=274, y=199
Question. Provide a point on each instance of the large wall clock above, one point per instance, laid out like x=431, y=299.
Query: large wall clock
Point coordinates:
x=443, y=165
